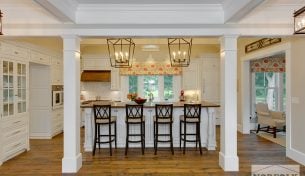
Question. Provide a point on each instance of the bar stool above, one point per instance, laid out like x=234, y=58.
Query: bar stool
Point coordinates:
x=134, y=116
x=102, y=117
x=164, y=115
x=192, y=113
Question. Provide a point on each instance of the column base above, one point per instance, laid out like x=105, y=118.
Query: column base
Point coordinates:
x=228, y=163
x=71, y=164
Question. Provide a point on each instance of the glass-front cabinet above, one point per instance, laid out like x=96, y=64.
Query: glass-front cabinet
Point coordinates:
x=14, y=88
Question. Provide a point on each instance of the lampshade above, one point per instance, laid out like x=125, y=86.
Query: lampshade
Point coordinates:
x=299, y=21
x=121, y=52
x=1, y=23
x=179, y=51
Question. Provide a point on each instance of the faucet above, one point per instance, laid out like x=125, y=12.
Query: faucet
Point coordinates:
x=151, y=97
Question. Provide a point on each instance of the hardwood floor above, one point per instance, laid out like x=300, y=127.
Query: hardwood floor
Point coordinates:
x=45, y=156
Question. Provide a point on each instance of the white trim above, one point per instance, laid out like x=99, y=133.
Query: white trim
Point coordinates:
x=296, y=155
x=72, y=164
x=285, y=47
x=240, y=128
x=228, y=163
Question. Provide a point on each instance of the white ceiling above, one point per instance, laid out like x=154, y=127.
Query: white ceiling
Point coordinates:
x=150, y=1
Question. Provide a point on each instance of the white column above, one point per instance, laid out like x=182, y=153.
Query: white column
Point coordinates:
x=228, y=159
x=72, y=160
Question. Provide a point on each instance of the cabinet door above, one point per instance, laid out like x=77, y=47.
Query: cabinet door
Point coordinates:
x=191, y=77
x=14, y=84
x=115, y=79
x=8, y=79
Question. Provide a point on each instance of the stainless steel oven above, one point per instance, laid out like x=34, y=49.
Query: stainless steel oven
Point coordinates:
x=57, y=96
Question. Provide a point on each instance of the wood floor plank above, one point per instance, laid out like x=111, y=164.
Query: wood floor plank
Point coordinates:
x=45, y=157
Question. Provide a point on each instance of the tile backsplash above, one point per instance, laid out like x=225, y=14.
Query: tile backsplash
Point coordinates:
x=100, y=90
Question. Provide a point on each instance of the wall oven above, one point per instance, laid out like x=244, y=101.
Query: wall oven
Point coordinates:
x=57, y=96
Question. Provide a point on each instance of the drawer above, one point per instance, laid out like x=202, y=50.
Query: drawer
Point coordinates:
x=10, y=149
x=40, y=58
x=14, y=122
x=6, y=48
x=15, y=133
x=20, y=52
x=57, y=62
x=13, y=50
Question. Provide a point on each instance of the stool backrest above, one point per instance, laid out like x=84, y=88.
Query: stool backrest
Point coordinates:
x=134, y=111
x=102, y=112
x=164, y=111
x=192, y=111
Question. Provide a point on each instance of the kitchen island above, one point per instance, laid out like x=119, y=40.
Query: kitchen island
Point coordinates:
x=207, y=125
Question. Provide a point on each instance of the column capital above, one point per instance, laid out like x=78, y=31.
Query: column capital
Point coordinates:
x=228, y=43
x=71, y=43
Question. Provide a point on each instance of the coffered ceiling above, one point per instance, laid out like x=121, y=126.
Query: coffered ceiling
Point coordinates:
x=124, y=17
x=150, y=1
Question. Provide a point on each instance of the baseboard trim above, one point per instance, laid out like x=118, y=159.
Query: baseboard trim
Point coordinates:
x=71, y=164
x=40, y=136
x=240, y=128
x=228, y=163
x=295, y=155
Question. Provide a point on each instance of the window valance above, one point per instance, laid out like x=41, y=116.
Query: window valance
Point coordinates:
x=268, y=64
x=151, y=69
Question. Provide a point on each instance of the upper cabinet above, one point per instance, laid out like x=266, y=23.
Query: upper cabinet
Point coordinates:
x=191, y=77
x=57, y=71
x=40, y=58
x=96, y=63
x=115, y=79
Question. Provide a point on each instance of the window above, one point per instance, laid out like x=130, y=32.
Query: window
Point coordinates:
x=270, y=88
x=160, y=86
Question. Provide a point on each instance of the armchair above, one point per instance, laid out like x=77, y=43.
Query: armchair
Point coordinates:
x=274, y=120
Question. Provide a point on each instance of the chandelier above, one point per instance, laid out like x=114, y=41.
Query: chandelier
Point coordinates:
x=1, y=23
x=179, y=51
x=121, y=52
x=299, y=21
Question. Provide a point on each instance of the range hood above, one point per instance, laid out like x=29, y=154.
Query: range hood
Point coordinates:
x=96, y=76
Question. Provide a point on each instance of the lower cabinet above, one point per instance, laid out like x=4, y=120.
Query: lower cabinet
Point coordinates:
x=14, y=137
x=57, y=121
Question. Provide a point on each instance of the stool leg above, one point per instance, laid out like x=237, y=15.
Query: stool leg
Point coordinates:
x=180, y=135
x=171, y=136
x=184, y=140
x=94, y=143
x=157, y=133
x=274, y=132
x=99, y=138
x=142, y=139
x=144, y=134
x=110, y=143
x=115, y=136
x=196, y=137
x=154, y=135
x=199, y=137
x=127, y=136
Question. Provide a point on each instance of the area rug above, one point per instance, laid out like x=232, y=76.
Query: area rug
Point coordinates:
x=280, y=138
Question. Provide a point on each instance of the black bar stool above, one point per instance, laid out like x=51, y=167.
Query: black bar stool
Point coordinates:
x=102, y=116
x=134, y=116
x=164, y=115
x=192, y=113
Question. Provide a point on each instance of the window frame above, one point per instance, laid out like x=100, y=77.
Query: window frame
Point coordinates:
x=176, y=87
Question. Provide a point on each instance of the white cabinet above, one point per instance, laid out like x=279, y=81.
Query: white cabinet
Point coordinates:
x=40, y=58
x=14, y=123
x=115, y=79
x=94, y=63
x=191, y=77
x=57, y=71
x=57, y=121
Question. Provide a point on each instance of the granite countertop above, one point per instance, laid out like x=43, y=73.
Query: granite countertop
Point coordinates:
x=118, y=104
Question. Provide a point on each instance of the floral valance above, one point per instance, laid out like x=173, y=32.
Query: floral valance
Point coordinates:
x=268, y=64
x=151, y=69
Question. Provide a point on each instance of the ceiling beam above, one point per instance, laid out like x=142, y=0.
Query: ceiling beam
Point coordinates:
x=64, y=10
x=235, y=10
